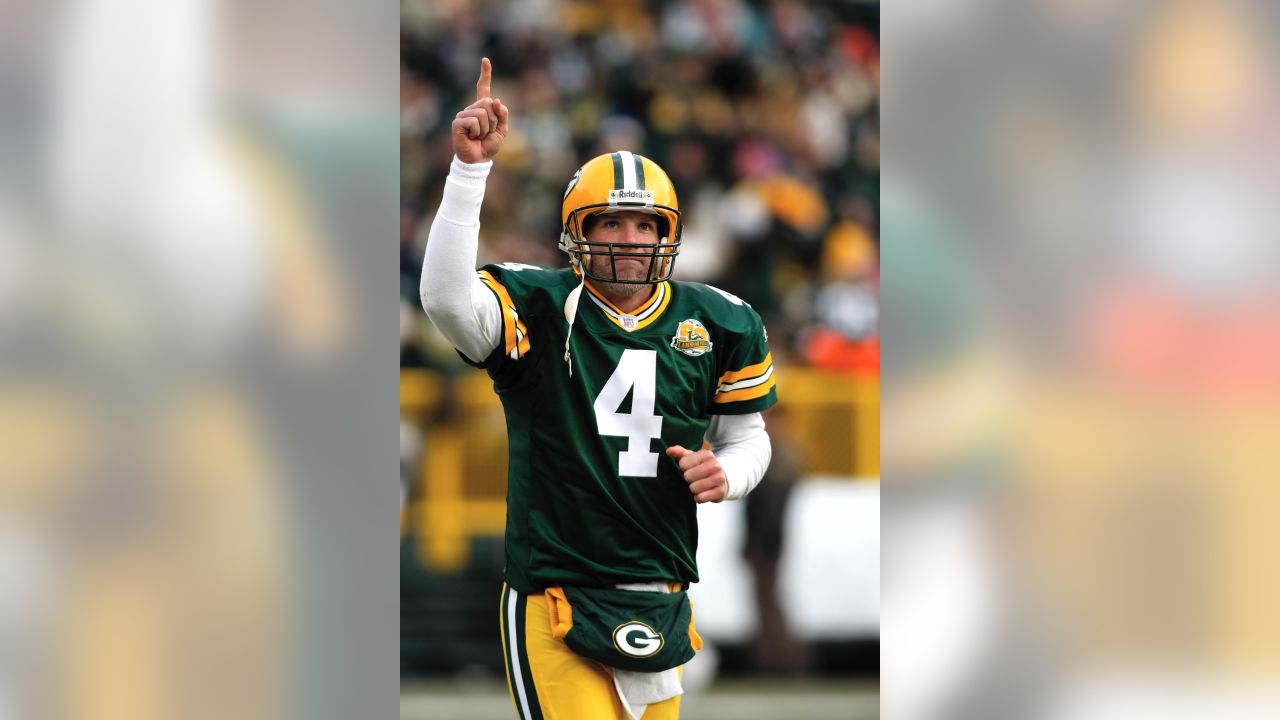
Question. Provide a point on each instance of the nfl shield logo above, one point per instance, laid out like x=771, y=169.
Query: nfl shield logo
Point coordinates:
x=629, y=322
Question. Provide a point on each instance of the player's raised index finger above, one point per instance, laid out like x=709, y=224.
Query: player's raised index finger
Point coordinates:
x=486, y=73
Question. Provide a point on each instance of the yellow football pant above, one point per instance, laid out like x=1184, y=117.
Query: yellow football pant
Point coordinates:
x=547, y=680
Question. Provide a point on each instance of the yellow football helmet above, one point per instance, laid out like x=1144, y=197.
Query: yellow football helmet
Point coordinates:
x=612, y=183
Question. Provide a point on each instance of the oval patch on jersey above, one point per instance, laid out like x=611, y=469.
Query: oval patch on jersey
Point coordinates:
x=691, y=338
x=637, y=639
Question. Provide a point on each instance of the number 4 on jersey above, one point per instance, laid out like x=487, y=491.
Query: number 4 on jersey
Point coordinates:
x=638, y=370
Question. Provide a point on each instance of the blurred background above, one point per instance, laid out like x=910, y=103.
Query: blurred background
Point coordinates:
x=766, y=116
x=1079, y=233
x=191, y=519
x=198, y=468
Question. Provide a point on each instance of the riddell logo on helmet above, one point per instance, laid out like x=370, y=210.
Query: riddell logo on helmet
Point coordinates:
x=617, y=196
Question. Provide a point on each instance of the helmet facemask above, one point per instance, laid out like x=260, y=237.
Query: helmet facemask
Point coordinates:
x=661, y=255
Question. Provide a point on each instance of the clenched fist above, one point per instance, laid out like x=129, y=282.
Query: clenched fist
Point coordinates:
x=478, y=131
x=703, y=473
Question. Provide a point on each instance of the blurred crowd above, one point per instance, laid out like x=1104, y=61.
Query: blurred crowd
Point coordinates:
x=765, y=114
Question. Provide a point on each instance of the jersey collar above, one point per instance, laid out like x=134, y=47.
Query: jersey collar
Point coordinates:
x=643, y=316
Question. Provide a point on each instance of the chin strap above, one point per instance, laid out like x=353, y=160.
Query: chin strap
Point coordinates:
x=570, y=314
x=575, y=295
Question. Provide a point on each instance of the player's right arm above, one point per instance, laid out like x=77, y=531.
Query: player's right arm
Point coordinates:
x=455, y=298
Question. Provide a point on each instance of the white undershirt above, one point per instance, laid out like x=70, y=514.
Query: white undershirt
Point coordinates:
x=469, y=317
x=455, y=299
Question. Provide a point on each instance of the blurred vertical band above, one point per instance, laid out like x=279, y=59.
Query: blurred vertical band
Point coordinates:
x=1080, y=373
x=197, y=462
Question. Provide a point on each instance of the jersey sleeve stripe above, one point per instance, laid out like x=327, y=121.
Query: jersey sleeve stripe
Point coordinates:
x=522, y=342
x=749, y=393
x=516, y=333
x=750, y=371
x=508, y=314
x=749, y=382
x=508, y=330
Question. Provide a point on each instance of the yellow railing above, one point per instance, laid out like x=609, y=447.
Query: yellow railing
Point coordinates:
x=831, y=420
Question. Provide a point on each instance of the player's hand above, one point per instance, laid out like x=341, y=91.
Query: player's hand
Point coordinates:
x=478, y=131
x=703, y=473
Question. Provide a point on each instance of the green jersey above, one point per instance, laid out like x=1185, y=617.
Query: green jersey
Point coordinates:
x=591, y=497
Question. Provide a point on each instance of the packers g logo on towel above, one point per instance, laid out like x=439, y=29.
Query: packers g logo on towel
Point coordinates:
x=691, y=338
x=636, y=639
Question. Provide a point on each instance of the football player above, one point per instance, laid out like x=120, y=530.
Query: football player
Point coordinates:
x=611, y=376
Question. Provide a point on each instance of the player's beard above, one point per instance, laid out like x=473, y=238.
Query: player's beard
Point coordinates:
x=603, y=267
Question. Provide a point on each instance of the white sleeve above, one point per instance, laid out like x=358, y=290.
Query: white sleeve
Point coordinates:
x=455, y=299
x=742, y=446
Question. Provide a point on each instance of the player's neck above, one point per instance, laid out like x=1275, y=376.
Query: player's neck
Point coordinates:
x=624, y=297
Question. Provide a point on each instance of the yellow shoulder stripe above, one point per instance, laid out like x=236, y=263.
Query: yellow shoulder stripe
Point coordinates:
x=747, y=372
x=750, y=393
x=515, y=332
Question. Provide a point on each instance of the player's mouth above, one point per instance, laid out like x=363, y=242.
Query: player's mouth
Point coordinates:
x=630, y=261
